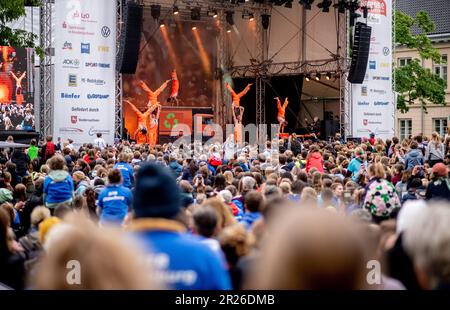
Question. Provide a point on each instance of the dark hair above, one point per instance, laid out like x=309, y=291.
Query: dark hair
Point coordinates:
x=219, y=182
x=62, y=209
x=56, y=162
x=327, y=195
x=99, y=134
x=302, y=176
x=205, y=221
x=282, y=159
x=33, y=142
x=49, y=138
x=114, y=176
x=253, y=201
x=297, y=186
x=414, y=145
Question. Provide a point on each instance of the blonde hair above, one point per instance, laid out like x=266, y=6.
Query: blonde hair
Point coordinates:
x=39, y=214
x=228, y=175
x=224, y=216
x=107, y=261
x=285, y=187
x=435, y=138
x=377, y=170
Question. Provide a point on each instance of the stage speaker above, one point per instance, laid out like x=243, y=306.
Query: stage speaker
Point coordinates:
x=330, y=128
x=130, y=39
x=360, y=57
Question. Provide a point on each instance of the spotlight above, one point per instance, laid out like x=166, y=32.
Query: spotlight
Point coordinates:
x=161, y=24
x=195, y=13
x=325, y=5
x=318, y=76
x=176, y=10
x=306, y=4
x=229, y=17
x=265, y=20
x=251, y=17
x=194, y=28
x=328, y=76
x=215, y=15
x=229, y=30
x=155, y=11
x=341, y=6
x=308, y=77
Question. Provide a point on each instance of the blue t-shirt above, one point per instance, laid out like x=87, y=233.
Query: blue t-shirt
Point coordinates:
x=127, y=173
x=114, y=202
x=184, y=262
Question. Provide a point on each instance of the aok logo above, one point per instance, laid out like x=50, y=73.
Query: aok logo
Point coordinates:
x=170, y=121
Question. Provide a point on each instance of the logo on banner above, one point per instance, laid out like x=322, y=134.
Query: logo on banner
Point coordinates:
x=97, y=64
x=363, y=103
x=384, y=65
x=69, y=96
x=105, y=31
x=64, y=25
x=365, y=122
x=364, y=91
x=378, y=91
x=83, y=17
x=85, y=48
x=93, y=81
x=74, y=119
x=72, y=80
x=93, y=131
x=380, y=78
x=67, y=46
x=372, y=65
x=380, y=103
x=71, y=63
x=97, y=96
x=103, y=48
x=375, y=6
x=70, y=129
x=386, y=51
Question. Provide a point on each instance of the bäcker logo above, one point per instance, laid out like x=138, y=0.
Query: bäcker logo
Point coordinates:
x=69, y=96
x=380, y=103
x=93, y=131
x=97, y=96
x=93, y=81
x=375, y=6
x=67, y=46
x=372, y=65
x=363, y=103
x=380, y=78
x=85, y=48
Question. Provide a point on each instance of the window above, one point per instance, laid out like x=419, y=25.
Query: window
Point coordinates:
x=441, y=69
x=404, y=61
x=405, y=128
x=440, y=126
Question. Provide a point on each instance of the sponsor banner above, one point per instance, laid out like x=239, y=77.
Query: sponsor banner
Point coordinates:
x=85, y=52
x=373, y=105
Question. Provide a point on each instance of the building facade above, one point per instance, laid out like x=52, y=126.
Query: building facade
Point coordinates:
x=436, y=117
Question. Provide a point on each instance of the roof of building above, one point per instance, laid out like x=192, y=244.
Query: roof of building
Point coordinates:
x=439, y=11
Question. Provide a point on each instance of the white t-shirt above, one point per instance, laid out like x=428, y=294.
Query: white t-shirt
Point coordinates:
x=100, y=142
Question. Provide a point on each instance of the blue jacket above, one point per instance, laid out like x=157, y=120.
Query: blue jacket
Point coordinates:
x=127, y=173
x=114, y=202
x=249, y=218
x=185, y=263
x=413, y=158
x=58, y=187
x=354, y=167
x=176, y=168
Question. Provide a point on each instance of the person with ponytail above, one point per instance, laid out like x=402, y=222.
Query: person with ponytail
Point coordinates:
x=435, y=152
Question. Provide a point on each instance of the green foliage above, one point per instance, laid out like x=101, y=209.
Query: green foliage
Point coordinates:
x=11, y=10
x=413, y=83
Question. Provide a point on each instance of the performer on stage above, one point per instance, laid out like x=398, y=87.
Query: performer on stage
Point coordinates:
x=314, y=127
x=174, y=88
x=153, y=95
x=142, y=122
x=238, y=111
x=281, y=113
x=19, y=95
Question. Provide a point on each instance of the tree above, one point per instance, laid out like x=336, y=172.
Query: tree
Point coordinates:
x=11, y=10
x=413, y=83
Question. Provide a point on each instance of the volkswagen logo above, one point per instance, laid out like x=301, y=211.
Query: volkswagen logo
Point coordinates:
x=386, y=51
x=106, y=31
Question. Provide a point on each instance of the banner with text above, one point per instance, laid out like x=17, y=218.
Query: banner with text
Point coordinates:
x=373, y=107
x=85, y=55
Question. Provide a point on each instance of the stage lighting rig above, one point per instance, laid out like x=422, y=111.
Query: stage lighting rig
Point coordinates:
x=342, y=5
x=195, y=13
x=176, y=10
x=325, y=5
x=318, y=76
x=328, y=76
x=155, y=11
x=212, y=13
x=308, y=77
x=229, y=16
x=306, y=4
x=353, y=6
